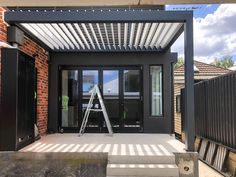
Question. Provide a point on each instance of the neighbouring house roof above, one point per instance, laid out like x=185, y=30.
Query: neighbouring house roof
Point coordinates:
x=202, y=71
x=233, y=68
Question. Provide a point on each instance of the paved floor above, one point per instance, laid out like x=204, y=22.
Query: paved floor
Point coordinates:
x=206, y=171
x=118, y=144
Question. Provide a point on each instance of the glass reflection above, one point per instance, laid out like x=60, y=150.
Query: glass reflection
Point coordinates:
x=110, y=82
x=90, y=78
x=131, y=83
x=156, y=86
x=69, y=107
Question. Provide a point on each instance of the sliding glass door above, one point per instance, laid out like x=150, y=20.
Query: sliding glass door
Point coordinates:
x=69, y=98
x=132, y=112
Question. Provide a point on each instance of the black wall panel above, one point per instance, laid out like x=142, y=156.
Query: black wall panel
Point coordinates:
x=18, y=111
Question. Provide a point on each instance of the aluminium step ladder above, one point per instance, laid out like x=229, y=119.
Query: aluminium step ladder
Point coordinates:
x=95, y=91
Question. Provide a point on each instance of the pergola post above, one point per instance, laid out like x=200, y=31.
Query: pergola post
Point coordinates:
x=189, y=85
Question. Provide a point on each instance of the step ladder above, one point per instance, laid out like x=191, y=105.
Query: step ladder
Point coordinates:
x=95, y=91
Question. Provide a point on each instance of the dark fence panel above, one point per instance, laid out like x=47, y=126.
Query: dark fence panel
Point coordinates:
x=215, y=109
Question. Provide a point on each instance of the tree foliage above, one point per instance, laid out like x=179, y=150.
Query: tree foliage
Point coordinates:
x=225, y=62
x=179, y=63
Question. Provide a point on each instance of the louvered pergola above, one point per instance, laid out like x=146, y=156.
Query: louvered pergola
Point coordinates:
x=114, y=30
x=104, y=36
x=101, y=30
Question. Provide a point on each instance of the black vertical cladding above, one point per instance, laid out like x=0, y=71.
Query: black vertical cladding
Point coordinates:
x=18, y=113
x=35, y=94
x=26, y=113
x=215, y=110
x=9, y=100
x=151, y=124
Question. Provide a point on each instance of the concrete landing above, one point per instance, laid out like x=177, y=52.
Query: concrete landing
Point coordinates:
x=128, y=154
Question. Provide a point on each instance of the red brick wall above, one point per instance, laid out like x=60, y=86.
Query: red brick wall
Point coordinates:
x=3, y=28
x=3, y=36
x=41, y=63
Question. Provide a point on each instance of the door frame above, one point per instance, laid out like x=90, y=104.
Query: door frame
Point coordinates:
x=100, y=69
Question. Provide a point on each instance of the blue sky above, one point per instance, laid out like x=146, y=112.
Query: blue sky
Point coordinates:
x=211, y=37
x=199, y=10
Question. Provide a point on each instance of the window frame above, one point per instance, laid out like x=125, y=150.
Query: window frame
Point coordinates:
x=178, y=103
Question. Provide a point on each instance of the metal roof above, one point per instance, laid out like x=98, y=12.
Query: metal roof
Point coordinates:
x=104, y=36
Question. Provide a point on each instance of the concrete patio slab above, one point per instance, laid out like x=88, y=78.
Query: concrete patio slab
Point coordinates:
x=128, y=154
x=118, y=144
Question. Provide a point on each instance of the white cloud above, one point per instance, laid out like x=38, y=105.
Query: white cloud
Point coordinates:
x=214, y=35
x=209, y=5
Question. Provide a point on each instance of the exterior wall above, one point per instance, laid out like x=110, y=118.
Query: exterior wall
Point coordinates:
x=91, y=3
x=177, y=115
x=162, y=124
x=41, y=62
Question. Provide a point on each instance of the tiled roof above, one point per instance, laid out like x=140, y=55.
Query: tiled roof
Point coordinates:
x=233, y=68
x=203, y=69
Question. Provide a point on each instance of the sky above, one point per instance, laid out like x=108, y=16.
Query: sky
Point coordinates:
x=214, y=31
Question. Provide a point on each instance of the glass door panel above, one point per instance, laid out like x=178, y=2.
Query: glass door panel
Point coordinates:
x=131, y=102
x=111, y=96
x=69, y=98
x=89, y=80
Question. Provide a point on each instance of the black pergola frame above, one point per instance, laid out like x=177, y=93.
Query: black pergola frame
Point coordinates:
x=91, y=16
x=102, y=16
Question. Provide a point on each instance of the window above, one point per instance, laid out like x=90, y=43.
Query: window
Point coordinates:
x=178, y=102
x=156, y=91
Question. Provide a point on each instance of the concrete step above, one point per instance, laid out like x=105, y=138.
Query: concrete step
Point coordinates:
x=141, y=159
x=137, y=170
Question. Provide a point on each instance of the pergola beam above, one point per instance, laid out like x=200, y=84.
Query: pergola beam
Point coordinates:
x=69, y=3
x=85, y=16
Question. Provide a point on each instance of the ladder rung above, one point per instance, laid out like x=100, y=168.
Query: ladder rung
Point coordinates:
x=97, y=110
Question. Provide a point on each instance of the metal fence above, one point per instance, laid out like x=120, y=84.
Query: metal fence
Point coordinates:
x=215, y=110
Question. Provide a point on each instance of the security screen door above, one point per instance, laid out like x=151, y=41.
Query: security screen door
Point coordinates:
x=121, y=90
